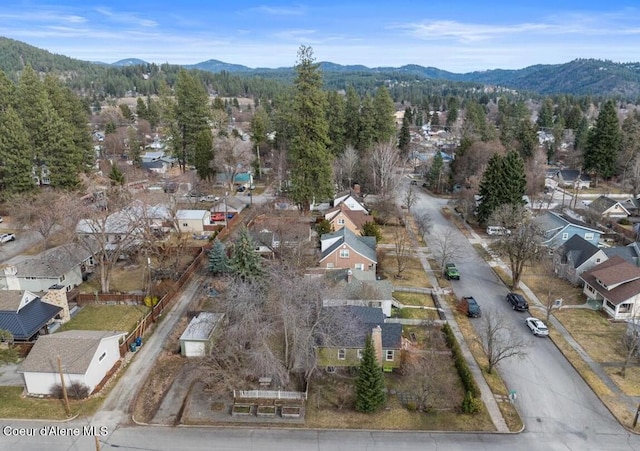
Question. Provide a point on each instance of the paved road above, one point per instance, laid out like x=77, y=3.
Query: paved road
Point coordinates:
x=552, y=397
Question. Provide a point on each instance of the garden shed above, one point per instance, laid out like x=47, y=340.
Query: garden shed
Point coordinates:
x=198, y=337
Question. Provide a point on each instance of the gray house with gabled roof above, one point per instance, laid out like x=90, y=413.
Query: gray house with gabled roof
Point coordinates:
x=557, y=228
x=609, y=208
x=575, y=257
x=346, y=250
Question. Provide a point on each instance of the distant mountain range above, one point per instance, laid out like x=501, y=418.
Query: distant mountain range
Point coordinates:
x=578, y=77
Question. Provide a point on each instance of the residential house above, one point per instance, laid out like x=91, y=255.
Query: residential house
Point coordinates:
x=193, y=221
x=41, y=174
x=575, y=257
x=343, y=249
x=228, y=205
x=25, y=314
x=632, y=205
x=572, y=178
x=66, y=266
x=197, y=339
x=119, y=230
x=282, y=228
x=630, y=253
x=608, y=208
x=341, y=216
x=244, y=179
x=350, y=200
x=85, y=356
x=355, y=287
x=557, y=228
x=616, y=283
x=355, y=323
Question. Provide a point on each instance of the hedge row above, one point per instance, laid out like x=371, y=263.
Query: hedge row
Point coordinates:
x=470, y=387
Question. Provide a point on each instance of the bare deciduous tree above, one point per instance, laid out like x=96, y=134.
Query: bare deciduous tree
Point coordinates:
x=498, y=340
x=401, y=244
x=409, y=198
x=231, y=155
x=424, y=222
x=508, y=215
x=385, y=160
x=445, y=247
x=427, y=372
x=521, y=247
x=348, y=163
x=631, y=342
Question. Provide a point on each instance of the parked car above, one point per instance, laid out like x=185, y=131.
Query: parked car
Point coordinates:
x=414, y=182
x=472, y=307
x=518, y=302
x=241, y=188
x=1, y=220
x=498, y=231
x=537, y=327
x=451, y=272
x=6, y=237
x=209, y=198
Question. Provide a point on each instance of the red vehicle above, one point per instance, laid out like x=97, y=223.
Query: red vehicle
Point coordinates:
x=217, y=217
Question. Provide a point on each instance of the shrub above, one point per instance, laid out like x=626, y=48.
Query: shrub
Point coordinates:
x=371, y=229
x=471, y=404
x=460, y=363
x=77, y=390
x=624, y=221
x=412, y=406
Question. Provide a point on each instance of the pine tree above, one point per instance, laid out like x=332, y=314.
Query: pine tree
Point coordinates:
x=203, y=154
x=545, y=117
x=218, y=259
x=352, y=117
x=384, y=116
x=15, y=171
x=603, y=143
x=367, y=135
x=435, y=172
x=515, y=179
x=245, y=262
x=503, y=182
x=189, y=117
x=404, y=137
x=310, y=160
x=370, y=389
x=141, y=109
x=336, y=121
x=116, y=176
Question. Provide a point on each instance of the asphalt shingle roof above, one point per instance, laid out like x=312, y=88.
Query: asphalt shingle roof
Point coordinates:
x=364, y=320
x=363, y=245
x=613, y=271
x=577, y=250
x=76, y=349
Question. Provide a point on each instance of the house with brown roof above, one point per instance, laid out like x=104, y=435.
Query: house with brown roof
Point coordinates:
x=86, y=357
x=342, y=216
x=616, y=283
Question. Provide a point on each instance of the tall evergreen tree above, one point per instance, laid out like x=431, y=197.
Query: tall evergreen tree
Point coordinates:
x=260, y=127
x=370, y=388
x=190, y=116
x=203, y=154
x=245, y=263
x=310, y=160
x=581, y=135
x=15, y=155
x=352, y=117
x=218, y=259
x=141, y=109
x=453, y=105
x=384, y=116
x=604, y=143
x=367, y=135
x=336, y=122
x=503, y=182
x=527, y=138
x=404, y=136
x=436, y=172
x=545, y=117
x=116, y=176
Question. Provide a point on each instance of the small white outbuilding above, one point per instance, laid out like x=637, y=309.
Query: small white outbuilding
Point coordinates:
x=197, y=339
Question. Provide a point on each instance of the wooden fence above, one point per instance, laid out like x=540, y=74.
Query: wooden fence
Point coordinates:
x=83, y=299
x=268, y=394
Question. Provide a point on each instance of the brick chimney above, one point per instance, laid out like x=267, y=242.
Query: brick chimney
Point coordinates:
x=376, y=338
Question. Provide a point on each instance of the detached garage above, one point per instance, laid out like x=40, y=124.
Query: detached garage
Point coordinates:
x=197, y=339
x=193, y=221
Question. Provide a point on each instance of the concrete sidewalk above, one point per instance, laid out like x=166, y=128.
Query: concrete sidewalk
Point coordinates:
x=486, y=394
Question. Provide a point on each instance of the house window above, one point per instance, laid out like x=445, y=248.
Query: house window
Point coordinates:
x=611, y=306
x=597, y=261
x=360, y=353
x=342, y=354
x=565, y=236
x=330, y=265
x=62, y=278
x=624, y=308
x=184, y=224
x=389, y=355
x=340, y=221
x=588, y=236
x=359, y=266
x=344, y=253
x=101, y=358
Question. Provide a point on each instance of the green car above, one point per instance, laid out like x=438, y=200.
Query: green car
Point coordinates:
x=451, y=272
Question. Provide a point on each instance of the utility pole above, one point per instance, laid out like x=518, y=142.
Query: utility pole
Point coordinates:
x=97, y=442
x=64, y=389
x=635, y=420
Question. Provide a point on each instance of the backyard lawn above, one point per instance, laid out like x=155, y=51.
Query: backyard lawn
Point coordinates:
x=106, y=317
x=412, y=276
x=14, y=405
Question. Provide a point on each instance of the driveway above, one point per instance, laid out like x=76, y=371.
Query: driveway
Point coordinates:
x=551, y=395
x=10, y=376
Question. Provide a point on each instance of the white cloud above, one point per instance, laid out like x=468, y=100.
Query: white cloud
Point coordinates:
x=296, y=10
x=126, y=18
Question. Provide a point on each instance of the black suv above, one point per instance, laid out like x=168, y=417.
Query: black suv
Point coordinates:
x=473, y=309
x=518, y=302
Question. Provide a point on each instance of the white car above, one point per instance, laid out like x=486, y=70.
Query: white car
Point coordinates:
x=6, y=237
x=209, y=198
x=537, y=327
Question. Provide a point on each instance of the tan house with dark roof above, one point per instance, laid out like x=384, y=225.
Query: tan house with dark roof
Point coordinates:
x=86, y=357
x=616, y=283
x=342, y=216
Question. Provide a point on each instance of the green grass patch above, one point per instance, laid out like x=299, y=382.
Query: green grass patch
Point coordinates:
x=14, y=405
x=106, y=317
x=414, y=299
x=123, y=280
x=417, y=313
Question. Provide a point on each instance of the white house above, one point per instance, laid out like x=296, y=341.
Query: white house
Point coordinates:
x=197, y=339
x=350, y=201
x=193, y=221
x=86, y=357
x=64, y=265
x=616, y=283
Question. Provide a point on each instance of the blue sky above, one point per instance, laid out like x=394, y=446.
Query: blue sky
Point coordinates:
x=457, y=35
